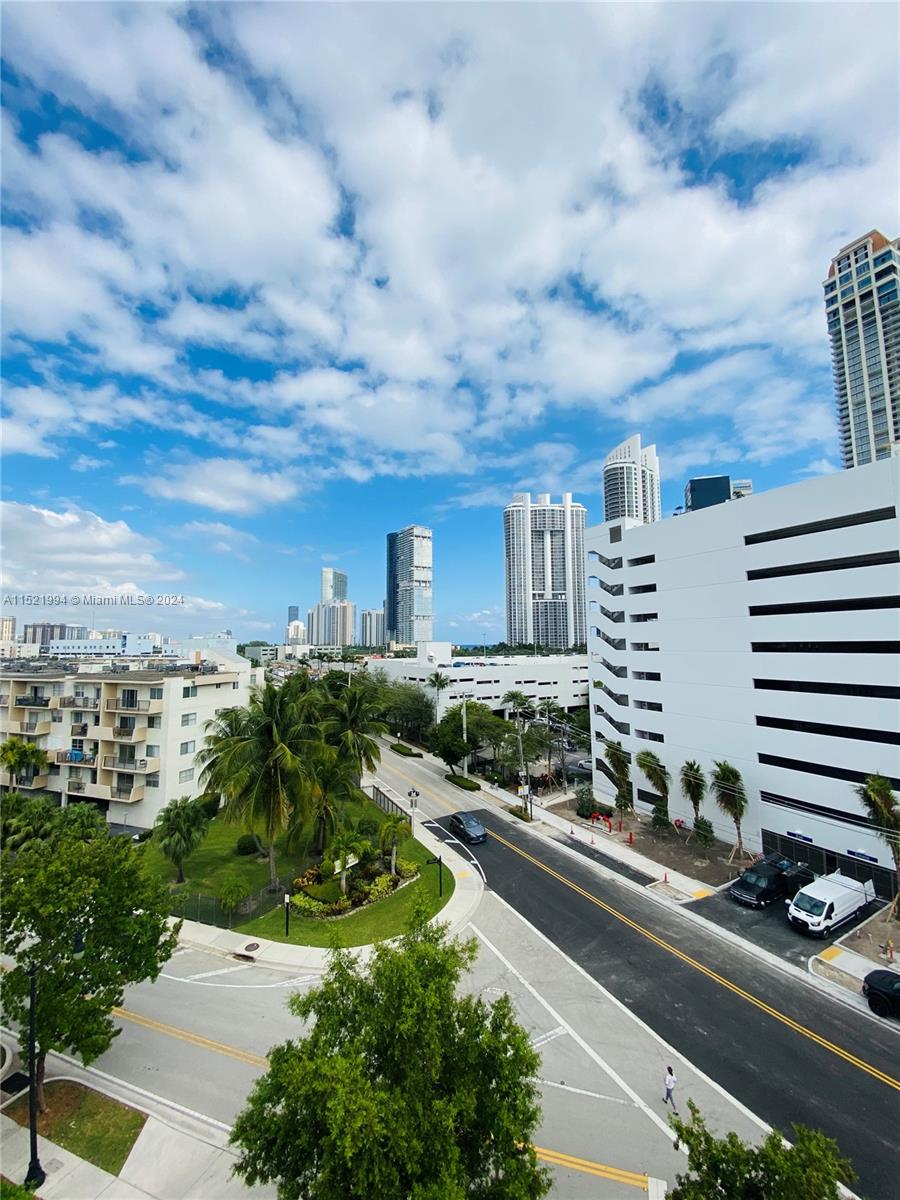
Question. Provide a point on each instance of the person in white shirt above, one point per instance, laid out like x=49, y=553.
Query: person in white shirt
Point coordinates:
x=669, y=1097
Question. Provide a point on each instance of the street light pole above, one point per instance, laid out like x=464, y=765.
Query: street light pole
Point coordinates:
x=465, y=742
x=36, y=1173
x=287, y=914
x=413, y=797
x=437, y=859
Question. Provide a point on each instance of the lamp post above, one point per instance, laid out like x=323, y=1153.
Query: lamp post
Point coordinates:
x=465, y=740
x=413, y=796
x=287, y=914
x=437, y=859
x=36, y=1173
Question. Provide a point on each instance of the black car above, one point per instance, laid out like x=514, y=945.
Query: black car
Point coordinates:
x=882, y=990
x=467, y=826
x=771, y=878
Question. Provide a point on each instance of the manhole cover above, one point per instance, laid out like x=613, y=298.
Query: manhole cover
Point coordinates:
x=251, y=946
x=15, y=1083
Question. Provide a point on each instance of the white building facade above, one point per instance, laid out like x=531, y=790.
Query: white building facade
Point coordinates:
x=544, y=555
x=334, y=584
x=371, y=627
x=125, y=740
x=332, y=623
x=631, y=482
x=765, y=633
x=862, y=308
x=409, y=605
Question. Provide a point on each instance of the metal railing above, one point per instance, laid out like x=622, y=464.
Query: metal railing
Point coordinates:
x=384, y=802
x=32, y=701
x=128, y=706
x=199, y=906
x=75, y=785
x=86, y=758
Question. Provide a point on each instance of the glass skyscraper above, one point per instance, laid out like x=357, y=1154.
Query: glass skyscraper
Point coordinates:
x=408, y=599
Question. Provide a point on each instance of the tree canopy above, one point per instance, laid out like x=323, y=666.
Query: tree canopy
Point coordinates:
x=400, y=1087
x=728, y=1169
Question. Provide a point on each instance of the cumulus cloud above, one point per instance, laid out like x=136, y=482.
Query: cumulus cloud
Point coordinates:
x=226, y=485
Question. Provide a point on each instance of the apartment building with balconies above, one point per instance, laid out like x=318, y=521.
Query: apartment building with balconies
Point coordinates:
x=124, y=740
x=765, y=633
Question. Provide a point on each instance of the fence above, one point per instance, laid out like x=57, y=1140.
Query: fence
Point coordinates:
x=197, y=906
x=384, y=802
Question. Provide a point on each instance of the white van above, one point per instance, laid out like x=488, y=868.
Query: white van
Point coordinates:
x=827, y=902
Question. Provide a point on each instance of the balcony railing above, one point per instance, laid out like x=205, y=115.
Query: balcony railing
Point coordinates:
x=75, y=785
x=32, y=701
x=128, y=794
x=129, y=733
x=32, y=781
x=112, y=762
x=128, y=706
x=86, y=758
x=4, y=700
x=79, y=730
x=91, y=702
x=67, y=702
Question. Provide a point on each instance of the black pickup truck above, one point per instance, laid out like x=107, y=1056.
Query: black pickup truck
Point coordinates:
x=769, y=879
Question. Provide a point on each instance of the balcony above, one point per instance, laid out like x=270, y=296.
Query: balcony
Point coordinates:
x=79, y=730
x=134, y=706
x=34, y=701
x=33, y=781
x=140, y=765
x=81, y=758
x=128, y=733
x=35, y=728
x=67, y=702
x=4, y=700
x=92, y=791
x=130, y=795
x=92, y=703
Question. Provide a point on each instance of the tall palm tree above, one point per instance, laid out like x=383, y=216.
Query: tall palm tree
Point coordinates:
x=550, y=711
x=179, y=829
x=727, y=787
x=346, y=842
x=883, y=808
x=693, y=785
x=352, y=723
x=252, y=757
x=658, y=777
x=521, y=705
x=329, y=781
x=617, y=759
x=394, y=828
x=20, y=757
x=438, y=682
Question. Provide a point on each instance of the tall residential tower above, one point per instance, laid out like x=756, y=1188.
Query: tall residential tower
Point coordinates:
x=334, y=585
x=863, y=313
x=408, y=602
x=631, y=482
x=544, y=545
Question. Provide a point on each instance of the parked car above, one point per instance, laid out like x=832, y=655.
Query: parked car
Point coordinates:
x=585, y=764
x=770, y=879
x=467, y=826
x=827, y=902
x=882, y=990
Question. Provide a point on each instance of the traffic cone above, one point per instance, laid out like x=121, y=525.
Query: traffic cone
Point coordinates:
x=665, y=876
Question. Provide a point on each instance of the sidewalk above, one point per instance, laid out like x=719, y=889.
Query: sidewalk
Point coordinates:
x=457, y=912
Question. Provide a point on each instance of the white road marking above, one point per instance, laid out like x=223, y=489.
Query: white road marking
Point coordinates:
x=567, y=1087
x=221, y=971
x=198, y=981
x=585, y=1046
x=544, y=1038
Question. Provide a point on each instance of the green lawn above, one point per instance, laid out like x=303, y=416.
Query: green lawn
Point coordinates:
x=215, y=857
x=96, y=1128
x=385, y=919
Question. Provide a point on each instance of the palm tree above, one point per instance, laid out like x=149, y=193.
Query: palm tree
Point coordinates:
x=658, y=777
x=27, y=820
x=693, y=785
x=438, y=682
x=179, y=829
x=394, y=828
x=520, y=704
x=881, y=804
x=252, y=758
x=346, y=842
x=329, y=780
x=20, y=758
x=352, y=723
x=617, y=758
x=550, y=711
x=727, y=786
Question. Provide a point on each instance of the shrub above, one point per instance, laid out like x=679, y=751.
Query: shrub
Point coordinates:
x=367, y=827
x=340, y=906
x=246, y=844
x=406, y=869
x=521, y=812
x=460, y=781
x=210, y=805
x=584, y=806
x=307, y=907
x=310, y=875
x=145, y=835
x=703, y=831
x=326, y=868
x=381, y=887
x=406, y=751
x=605, y=810
x=366, y=856
x=660, y=817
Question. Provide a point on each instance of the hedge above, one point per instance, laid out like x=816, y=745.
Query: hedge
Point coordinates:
x=406, y=751
x=461, y=781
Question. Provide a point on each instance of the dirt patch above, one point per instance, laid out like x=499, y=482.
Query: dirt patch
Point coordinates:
x=869, y=938
x=667, y=847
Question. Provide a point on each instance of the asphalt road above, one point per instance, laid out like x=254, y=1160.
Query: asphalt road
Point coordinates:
x=794, y=1056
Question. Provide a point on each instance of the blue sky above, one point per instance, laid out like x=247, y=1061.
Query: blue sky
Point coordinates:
x=281, y=278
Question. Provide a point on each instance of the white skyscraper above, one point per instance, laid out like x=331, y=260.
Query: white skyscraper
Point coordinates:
x=544, y=544
x=332, y=623
x=334, y=584
x=295, y=633
x=862, y=308
x=371, y=624
x=631, y=482
x=408, y=604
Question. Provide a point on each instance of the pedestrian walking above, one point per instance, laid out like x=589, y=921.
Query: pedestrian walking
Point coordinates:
x=669, y=1097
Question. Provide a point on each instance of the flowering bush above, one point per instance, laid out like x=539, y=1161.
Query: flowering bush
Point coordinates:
x=381, y=887
x=309, y=876
x=406, y=869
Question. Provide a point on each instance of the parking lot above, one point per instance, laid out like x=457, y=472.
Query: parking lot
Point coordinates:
x=768, y=927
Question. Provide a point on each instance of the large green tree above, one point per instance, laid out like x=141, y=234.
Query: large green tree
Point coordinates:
x=657, y=775
x=727, y=1169
x=22, y=758
x=179, y=829
x=727, y=786
x=620, y=771
x=447, y=739
x=62, y=892
x=408, y=709
x=393, y=829
x=883, y=807
x=693, y=785
x=32, y=820
x=352, y=723
x=437, y=682
x=401, y=1087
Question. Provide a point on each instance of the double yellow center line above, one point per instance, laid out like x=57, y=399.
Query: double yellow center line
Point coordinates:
x=839, y=1051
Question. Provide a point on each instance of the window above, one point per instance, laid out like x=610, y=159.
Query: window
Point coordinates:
x=653, y=676
x=152, y=781
x=848, y=562
x=648, y=736
x=846, y=277
x=154, y=722
x=886, y=736
x=861, y=604
x=825, y=647
x=811, y=768
x=186, y=776
x=156, y=693
x=189, y=692
x=615, y=533
x=188, y=719
x=650, y=705
x=844, y=522
x=152, y=751
x=641, y=589
x=643, y=561
x=878, y=691
x=187, y=748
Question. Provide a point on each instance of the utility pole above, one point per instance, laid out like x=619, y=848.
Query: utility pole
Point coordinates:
x=465, y=741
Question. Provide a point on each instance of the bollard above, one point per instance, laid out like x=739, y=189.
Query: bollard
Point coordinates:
x=889, y=946
x=665, y=876
x=620, y=824
x=631, y=837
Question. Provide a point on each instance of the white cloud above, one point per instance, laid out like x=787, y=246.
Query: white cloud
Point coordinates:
x=225, y=485
x=84, y=462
